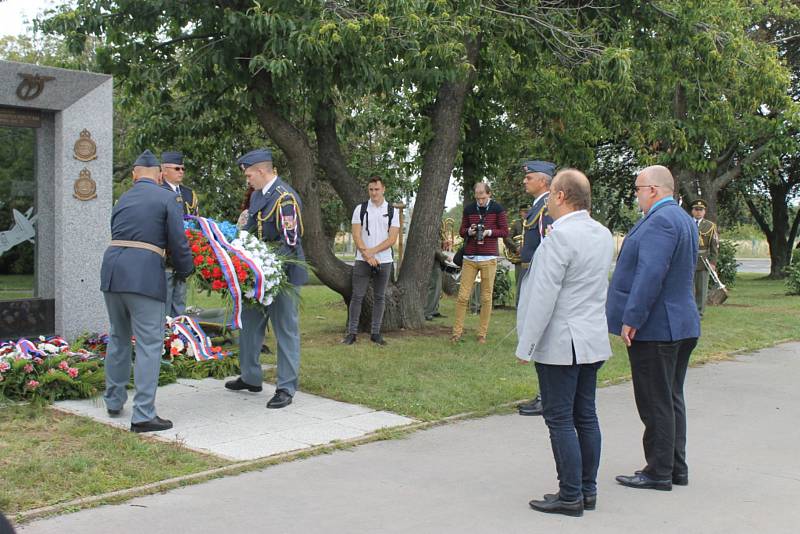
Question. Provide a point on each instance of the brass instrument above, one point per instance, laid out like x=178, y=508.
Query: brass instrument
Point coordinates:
x=449, y=235
x=509, y=254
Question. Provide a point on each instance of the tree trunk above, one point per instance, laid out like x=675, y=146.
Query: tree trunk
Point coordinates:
x=780, y=237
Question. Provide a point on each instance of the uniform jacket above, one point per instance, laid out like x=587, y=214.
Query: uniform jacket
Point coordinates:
x=188, y=198
x=709, y=243
x=563, y=297
x=265, y=207
x=536, y=223
x=652, y=288
x=150, y=214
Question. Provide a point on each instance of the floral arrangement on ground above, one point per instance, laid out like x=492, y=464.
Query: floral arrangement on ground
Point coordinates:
x=48, y=369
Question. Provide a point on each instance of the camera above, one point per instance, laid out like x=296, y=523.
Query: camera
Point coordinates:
x=479, y=229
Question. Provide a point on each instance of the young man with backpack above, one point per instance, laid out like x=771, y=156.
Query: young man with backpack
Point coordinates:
x=375, y=229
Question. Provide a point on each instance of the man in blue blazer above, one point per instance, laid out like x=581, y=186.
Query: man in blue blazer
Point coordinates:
x=274, y=216
x=146, y=221
x=651, y=307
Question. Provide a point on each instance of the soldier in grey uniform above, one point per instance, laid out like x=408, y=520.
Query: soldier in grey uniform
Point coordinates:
x=538, y=175
x=145, y=222
x=172, y=169
x=275, y=216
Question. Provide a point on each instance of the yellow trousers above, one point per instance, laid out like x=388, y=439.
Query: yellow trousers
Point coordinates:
x=469, y=271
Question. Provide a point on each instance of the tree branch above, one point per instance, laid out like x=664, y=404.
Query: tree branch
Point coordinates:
x=756, y=213
x=184, y=38
x=724, y=179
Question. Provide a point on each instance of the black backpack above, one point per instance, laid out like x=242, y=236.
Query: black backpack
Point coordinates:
x=389, y=213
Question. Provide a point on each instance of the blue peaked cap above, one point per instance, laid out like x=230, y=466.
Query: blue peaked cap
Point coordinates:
x=146, y=159
x=539, y=166
x=253, y=157
x=172, y=157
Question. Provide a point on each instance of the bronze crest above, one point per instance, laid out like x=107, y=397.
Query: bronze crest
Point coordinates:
x=31, y=85
x=85, y=186
x=85, y=148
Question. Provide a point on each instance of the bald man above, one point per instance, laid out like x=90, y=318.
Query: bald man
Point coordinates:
x=651, y=307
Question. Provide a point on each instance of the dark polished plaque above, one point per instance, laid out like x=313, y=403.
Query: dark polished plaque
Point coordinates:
x=27, y=318
x=20, y=118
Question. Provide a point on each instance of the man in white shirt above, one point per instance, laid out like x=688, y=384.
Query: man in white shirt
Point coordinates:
x=561, y=326
x=375, y=229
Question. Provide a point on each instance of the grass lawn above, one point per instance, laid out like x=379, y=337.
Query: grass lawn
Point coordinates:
x=16, y=286
x=47, y=457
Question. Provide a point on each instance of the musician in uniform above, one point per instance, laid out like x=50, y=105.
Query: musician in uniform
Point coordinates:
x=275, y=216
x=172, y=170
x=538, y=175
x=513, y=245
x=707, y=254
x=145, y=221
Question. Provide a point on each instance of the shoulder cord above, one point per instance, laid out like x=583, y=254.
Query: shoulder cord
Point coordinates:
x=279, y=218
x=193, y=206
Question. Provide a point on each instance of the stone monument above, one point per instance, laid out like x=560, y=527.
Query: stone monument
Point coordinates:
x=71, y=114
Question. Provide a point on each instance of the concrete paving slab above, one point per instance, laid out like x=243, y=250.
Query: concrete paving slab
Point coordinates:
x=238, y=426
x=478, y=475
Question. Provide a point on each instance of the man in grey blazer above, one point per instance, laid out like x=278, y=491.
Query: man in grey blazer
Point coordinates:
x=561, y=326
x=146, y=221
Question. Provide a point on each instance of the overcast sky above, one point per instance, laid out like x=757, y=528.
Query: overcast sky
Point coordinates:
x=14, y=13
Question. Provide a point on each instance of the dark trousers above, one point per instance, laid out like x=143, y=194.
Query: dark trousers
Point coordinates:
x=568, y=394
x=363, y=272
x=658, y=369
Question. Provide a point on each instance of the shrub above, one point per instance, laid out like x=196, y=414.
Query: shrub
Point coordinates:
x=726, y=264
x=503, y=287
x=793, y=274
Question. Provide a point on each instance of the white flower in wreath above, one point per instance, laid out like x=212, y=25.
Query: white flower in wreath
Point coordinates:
x=177, y=344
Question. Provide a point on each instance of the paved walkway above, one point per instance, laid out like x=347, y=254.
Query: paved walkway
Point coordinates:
x=237, y=426
x=478, y=475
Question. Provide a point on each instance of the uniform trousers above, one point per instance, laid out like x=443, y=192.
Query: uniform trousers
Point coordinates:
x=434, y=290
x=283, y=314
x=143, y=317
x=701, y=290
x=658, y=369
x=519, y=274
x=176, y=295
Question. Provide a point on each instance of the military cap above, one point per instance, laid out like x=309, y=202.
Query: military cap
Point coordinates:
x=172, y=157
x=539, y=166
x=699, y=203
x=146, y=159
x=254, y=156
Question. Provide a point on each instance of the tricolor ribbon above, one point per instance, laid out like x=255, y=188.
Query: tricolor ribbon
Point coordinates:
x=221, y=248
x=27, y=347
x=193, y=333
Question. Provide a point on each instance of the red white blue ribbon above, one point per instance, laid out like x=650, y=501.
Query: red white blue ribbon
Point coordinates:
x=244, y=257
x=193, y=334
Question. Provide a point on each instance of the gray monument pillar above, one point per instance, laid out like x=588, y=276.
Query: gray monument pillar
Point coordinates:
x=74, y=184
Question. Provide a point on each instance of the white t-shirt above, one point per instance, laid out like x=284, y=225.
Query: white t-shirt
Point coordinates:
x=377, y=220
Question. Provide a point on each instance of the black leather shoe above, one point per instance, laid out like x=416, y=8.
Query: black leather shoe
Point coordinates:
x=349, y=339
x=557, y=506
x=429, y=317
x=589, y=501
x=239, y=384
x=533, y=407
x=377, y=339
x=114, y=413
x=439, y=315
x=642, y=481
x=677, y=480
x=281, y=399
x=153, y=425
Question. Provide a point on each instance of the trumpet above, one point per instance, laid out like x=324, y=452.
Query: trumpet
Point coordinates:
x=510, y=255
x=448, y=234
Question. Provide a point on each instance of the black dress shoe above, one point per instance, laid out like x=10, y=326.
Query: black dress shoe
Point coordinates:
x=439, y=315
x=642, y=481
x=239, y=384
x=377, y=339
x=281, y=399
x=589, y=501
x=533, y=407
x=429, y=317
x=114, y=413
x=153, y=425
x=557, y=506
x=349, y=339
x=677, y=480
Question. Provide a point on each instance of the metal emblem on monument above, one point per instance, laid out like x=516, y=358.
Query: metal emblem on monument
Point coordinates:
x=85, y=186
x=31, y=85
x=85, y=148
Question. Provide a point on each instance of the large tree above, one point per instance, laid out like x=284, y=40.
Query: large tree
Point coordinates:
x=314, y=76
